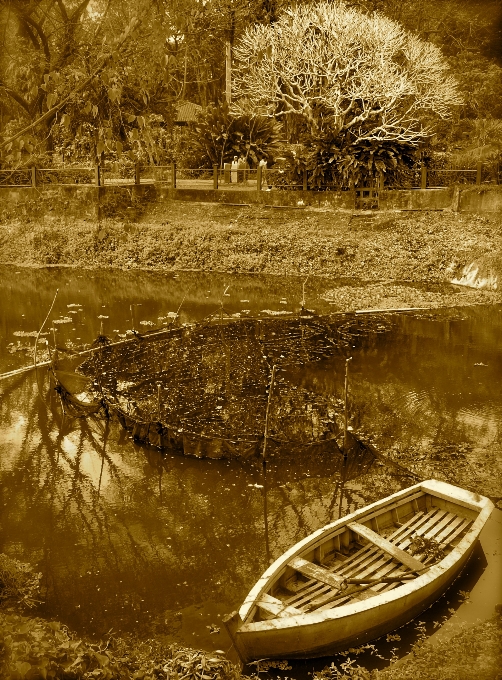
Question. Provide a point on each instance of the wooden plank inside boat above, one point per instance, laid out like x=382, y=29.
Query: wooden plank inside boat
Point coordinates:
x=355, y=565
x=398, y=554
x=313, y=571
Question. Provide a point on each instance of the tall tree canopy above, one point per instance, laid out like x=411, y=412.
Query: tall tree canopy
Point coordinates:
x=337, y=68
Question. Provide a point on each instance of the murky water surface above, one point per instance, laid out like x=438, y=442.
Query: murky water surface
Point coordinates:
x=135, y=541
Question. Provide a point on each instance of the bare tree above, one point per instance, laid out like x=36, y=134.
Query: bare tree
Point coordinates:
x=340, y=69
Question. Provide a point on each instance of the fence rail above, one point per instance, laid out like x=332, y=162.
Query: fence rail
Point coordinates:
x=261, y=178
x=15, y=178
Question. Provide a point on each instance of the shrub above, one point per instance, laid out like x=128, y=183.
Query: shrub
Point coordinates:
x=219, y=135
x=18, y=581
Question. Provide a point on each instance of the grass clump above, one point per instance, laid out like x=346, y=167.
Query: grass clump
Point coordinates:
x=18, y=582
x=34, y=649
x=475, y=653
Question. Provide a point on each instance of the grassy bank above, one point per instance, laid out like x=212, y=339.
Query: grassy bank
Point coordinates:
x=475, y=653
x=377, y=250
x=33, y=648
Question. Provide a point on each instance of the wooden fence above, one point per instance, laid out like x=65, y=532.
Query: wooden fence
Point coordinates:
x=215, y=177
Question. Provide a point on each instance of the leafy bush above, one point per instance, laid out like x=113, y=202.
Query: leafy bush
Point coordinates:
x=335, y=161
x=18, y=581
x=34, y=648
x=219, y=136
x=473, y=654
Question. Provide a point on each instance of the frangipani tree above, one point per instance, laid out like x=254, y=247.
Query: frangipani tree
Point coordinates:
x=358, y=78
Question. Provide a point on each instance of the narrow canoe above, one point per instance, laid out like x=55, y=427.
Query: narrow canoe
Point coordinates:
x=361, y=576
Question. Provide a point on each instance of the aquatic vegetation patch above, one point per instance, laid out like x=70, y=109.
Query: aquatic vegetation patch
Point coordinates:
x=18, y=582
x=475, y=653
x=35, y=648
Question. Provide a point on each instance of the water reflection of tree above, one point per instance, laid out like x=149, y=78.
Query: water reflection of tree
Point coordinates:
x=432, y=392
x=29, y=295
x=118, y=530
x=96, y=511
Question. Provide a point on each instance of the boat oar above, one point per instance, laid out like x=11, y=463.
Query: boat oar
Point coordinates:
x=354, y=586
x=373, y=581
x=408, y=576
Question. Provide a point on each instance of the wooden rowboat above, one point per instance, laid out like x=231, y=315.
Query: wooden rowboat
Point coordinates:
x=361, y=576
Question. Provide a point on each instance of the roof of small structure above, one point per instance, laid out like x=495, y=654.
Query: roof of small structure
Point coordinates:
x=186, y=112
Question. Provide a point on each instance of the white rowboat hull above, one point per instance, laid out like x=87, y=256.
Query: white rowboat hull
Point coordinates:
x=320, y=633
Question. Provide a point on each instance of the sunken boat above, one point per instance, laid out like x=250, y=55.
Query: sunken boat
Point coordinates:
x=203, y=389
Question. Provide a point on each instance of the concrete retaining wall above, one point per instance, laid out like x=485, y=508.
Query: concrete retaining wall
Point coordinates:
x=76, y=201
x=344, y=200
x=481, y=199
x=128, y=202
x=417, y=199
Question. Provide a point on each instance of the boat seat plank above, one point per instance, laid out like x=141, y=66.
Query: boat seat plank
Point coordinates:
x=403, y=531
x=395, y=552
x=314, y=588
x=385, y=566
x=330, y=600
x=357, y=564
x=316, y=572
x=375, y=566
x=375, y=559
x=357, y=561
x=271, y=605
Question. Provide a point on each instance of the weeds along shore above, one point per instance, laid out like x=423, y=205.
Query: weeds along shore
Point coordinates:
x=377, y=252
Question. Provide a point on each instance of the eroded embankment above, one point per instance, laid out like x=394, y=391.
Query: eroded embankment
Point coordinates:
x=380, y=250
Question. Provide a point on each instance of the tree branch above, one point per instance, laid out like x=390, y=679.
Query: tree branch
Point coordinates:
x=43, y=38
x=16, y=97
x=57, y=107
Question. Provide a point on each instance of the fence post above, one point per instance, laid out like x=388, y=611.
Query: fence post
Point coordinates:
x=215, y=176
x=34, y=176
x=173, y=175
x=380, y=181
x=258, y=177
x=97, y=175
x=137, y=174
x=478, y=172
x=305, y=180
x=423, y=177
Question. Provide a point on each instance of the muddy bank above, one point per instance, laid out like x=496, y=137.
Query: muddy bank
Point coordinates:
x=380, y=249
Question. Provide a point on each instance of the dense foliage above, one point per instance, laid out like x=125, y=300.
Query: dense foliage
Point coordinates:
x=36, y=649
x=83, y=82
x=218, y=136
x=18, y=582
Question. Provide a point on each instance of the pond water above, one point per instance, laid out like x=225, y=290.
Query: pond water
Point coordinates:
x=132, y=540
